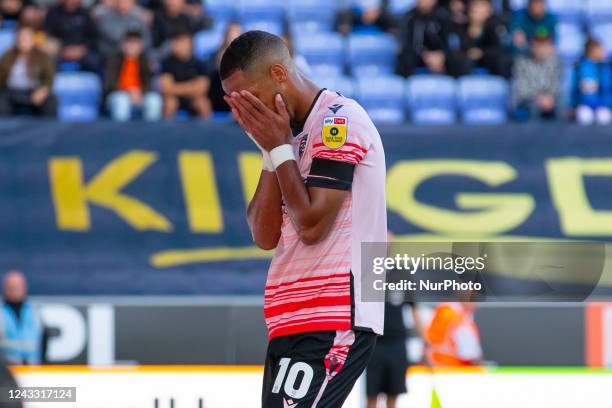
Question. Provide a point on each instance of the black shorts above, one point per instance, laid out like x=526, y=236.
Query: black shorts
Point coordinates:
x=316, y=369
x=386, y=372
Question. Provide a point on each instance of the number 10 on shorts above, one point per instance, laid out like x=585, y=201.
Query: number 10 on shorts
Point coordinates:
x=290, y=388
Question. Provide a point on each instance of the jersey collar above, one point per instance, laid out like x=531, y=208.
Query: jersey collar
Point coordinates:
x=298, y=127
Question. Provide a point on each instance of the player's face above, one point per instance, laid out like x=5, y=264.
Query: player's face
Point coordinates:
x=262, y=88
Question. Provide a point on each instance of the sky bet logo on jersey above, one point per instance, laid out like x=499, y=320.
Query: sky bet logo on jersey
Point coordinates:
x=334, y=131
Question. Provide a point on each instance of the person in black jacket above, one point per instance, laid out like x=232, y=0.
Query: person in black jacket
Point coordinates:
x=171, y=19
x=70, y=27
x=482, y=39
x=424, y=35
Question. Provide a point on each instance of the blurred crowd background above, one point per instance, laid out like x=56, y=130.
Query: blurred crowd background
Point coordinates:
x=425, y=61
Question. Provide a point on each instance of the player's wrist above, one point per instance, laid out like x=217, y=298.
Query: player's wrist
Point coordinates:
x=281, y=154
x=266, y=163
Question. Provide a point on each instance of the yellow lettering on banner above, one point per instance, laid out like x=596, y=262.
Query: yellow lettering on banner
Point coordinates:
x=71, y=195
x=250, y=165
x=569, y=196
x=500, y=212
x=200, y=191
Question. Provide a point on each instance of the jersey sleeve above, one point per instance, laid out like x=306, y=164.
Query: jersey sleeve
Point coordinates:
x=339, y=143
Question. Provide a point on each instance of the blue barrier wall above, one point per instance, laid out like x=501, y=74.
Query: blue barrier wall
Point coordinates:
x=110, y=208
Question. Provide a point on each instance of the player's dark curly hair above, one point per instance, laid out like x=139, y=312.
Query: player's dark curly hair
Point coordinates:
x=249, y=48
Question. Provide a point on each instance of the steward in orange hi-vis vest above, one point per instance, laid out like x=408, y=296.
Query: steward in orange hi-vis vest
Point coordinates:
x=453, y=336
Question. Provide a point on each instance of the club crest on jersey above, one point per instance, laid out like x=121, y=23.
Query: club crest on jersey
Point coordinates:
x=334, y=131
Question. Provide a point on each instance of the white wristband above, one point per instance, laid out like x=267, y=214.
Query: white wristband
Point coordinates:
x=281, y=154
x=266, y=163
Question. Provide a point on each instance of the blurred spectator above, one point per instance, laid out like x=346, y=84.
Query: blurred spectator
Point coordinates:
x=538, y=79
x=184, y=80
x=192, y=7
x=73, y=34
x=101, y=7
x=171, y=19
x=20, y=327
x=457, y=8
x=592, y=86
x=115, y=20
x=528, y=23
x=424, y=37
x=365, y=16
x=481, y=39
x=10, y=12
x=26, y=78
x=216, y=93
x=128, y=82
x=453, y=337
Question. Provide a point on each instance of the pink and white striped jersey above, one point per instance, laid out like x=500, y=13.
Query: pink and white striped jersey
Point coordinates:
x=317, y=287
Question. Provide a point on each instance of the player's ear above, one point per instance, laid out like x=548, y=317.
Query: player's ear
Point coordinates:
x=279, y=73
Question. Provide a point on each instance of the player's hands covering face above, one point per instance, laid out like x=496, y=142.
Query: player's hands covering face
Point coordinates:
x=269, y=128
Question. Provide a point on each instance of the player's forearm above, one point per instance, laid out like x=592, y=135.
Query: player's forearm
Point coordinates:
x=303, y=213
x=264, y=213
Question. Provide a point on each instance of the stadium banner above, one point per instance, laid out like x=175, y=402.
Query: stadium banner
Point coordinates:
x=158, y=208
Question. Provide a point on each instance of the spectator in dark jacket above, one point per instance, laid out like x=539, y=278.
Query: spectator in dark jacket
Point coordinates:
x=184, y=81
x=481, y=39
x=128, y=82
x=528, y=23
x=170, y=20
x=364, y=16
x=538, y=79
x=592, y=86
x=424, y=35
x=70, y=27
x=26, y=78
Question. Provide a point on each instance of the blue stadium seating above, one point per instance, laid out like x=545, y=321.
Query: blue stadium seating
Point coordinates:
x=272, y=26
x=383, y=98
x=221, y=10
x=345, y=85
x=7, y=38
x=78, y=94
x=258, y=10
x=518, y=4
x=598, y=11
x=603, y=32
x=321, y=70
x=431, y=99
x=399, y=7
x=566, y=10
x=371, y=54
x=570, y=41
x=566, y=84
x=311, y=15
x=206, y=43
x=483, y=100
x=324, y=52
